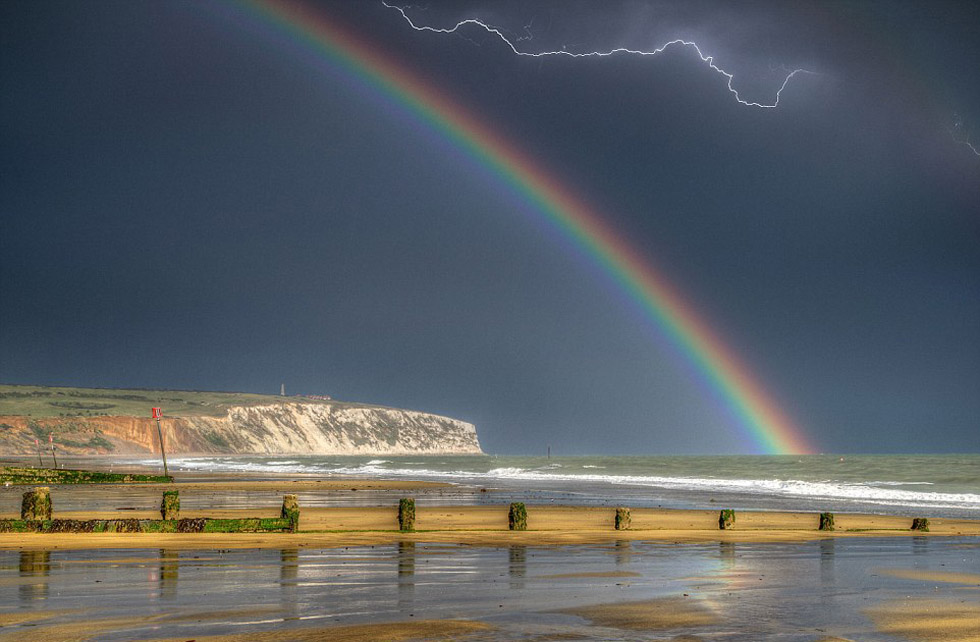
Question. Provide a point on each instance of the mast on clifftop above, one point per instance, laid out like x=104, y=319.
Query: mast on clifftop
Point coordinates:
x=158, y=414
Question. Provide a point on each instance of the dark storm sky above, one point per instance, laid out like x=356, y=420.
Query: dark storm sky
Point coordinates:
x=189, y=200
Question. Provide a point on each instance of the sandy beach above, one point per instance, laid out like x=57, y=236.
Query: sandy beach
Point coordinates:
x=672, y=574
x=484, y=525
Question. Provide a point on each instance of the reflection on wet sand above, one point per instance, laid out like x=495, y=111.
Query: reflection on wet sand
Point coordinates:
x=288, y=582
x=289, y=564
x=406, y=576
x=726, y=551
x=517, y=568
x=920, y=545
x=623, y=551
x=827, y=553
x=35, y=564
x=692, y=590
x=169, y=568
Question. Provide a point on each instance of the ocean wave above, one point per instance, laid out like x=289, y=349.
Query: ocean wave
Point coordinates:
x=886, y=493
x=829, y=490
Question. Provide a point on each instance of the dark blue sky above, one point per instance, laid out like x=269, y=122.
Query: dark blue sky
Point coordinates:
x=190, y=201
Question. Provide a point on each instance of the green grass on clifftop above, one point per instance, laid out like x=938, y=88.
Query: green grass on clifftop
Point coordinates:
x=44, y=401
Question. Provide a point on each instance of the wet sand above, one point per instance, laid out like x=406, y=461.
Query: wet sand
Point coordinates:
x=830, y=589
x=929, y=620
x=391, y=631
x=690, y=577
x=648, y=615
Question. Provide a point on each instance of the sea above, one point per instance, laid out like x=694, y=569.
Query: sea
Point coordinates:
x=930, y=485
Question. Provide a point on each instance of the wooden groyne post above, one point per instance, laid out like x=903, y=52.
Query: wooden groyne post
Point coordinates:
x=920, y=524
x=406, y=515
x=170, y=506
x=826, y=522
x=290, y=511
x=623, y=519
x=517, y=517
x=726, y=519
x=36, y=505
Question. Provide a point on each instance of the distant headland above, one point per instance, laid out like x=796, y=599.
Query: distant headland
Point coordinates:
x=89, y=421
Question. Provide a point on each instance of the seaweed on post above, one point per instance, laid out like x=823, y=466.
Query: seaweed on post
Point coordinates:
x=517, y=517
x=406, y=515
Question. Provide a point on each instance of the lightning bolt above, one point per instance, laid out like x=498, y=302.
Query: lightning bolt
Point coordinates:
x=959, y=138
x=708, y=60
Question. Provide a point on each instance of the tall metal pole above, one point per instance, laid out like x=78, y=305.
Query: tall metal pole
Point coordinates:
x=163, y=451
x=53, y=456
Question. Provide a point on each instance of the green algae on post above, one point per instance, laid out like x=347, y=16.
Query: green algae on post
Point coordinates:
x=920, y=524
x=290, y=511
x=170, y=506
x=623, y=519
x=406, y=515
x=36, y=505
x=517, y=517
x=826, y=522
x=726, y=519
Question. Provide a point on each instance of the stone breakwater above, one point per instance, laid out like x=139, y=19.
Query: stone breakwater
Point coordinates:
x=286, y=428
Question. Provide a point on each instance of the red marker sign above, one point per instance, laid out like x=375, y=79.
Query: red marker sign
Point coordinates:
x=51, y=439
x=157, y=413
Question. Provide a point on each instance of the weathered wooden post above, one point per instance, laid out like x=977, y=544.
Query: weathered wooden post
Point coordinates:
x=406, y=515
x=623, y=519
x=726, y=519
x=290, y=511
x=36, y=505
x=920, y=524
x=826, y=522
x=517, y=517
x=170, y=507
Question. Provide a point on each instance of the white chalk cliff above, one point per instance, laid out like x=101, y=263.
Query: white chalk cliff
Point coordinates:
x=282, y=428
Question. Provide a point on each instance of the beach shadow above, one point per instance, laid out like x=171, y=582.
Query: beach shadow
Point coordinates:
x=34, y=564
x=169, y=569
x=517, y=567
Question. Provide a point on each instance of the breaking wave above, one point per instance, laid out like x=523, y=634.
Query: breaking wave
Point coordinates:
x=880, y=492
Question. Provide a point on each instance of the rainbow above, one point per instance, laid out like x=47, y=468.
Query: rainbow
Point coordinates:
x=769, y=429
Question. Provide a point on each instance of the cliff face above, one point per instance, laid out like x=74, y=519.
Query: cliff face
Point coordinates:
x=287, y=428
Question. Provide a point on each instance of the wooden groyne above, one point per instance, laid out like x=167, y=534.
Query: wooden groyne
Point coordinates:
x=28, y=476
x=36, y=517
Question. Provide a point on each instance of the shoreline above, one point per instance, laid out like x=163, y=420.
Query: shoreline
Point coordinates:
x=371, y=519
x=571, y=574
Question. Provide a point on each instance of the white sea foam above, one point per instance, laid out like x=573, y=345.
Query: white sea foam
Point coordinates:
x=881, y=492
